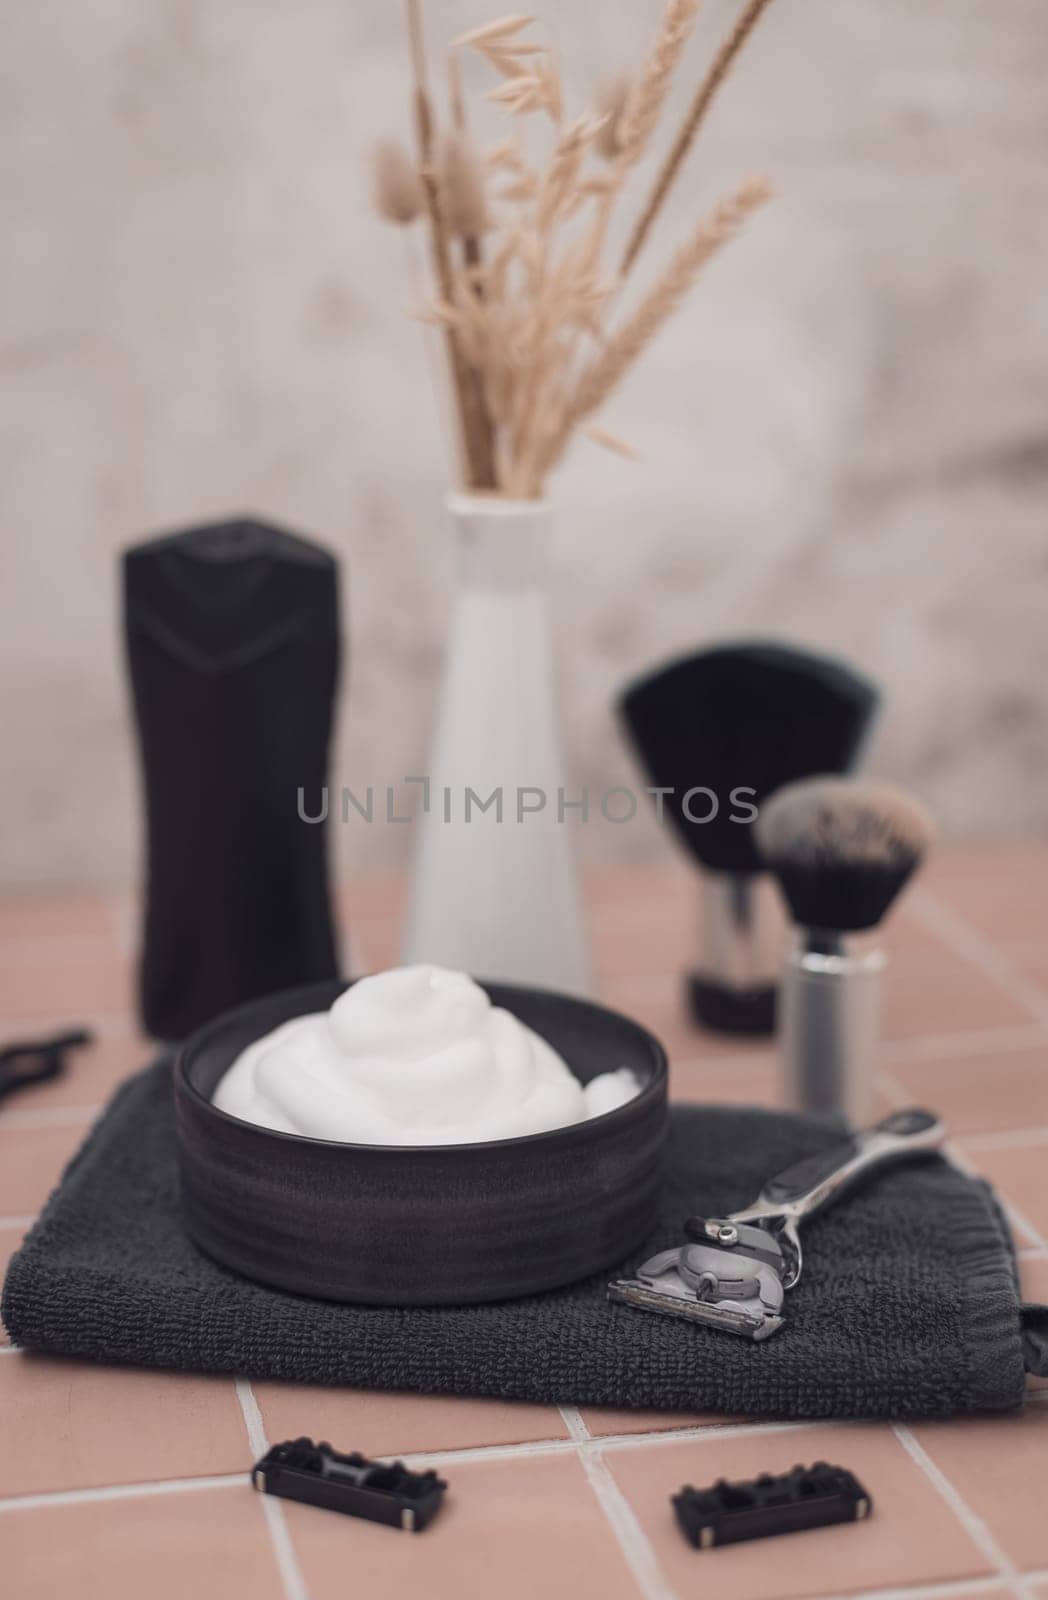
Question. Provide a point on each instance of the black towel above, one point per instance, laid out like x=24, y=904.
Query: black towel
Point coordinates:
x=908, y=1305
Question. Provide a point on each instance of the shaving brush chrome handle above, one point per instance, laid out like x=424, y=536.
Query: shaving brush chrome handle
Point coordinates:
x=828, y=1013
x=734, y=942
x=732, y=987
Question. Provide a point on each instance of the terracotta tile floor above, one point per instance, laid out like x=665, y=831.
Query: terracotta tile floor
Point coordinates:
x=206, y=1541
x=912, y=1538
x=401, y=1424
x=115, y=1483
x=10, y=1239
x=511, y=1529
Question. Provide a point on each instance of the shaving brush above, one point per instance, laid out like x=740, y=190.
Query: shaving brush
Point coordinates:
x=739, y=721
x=842, y=851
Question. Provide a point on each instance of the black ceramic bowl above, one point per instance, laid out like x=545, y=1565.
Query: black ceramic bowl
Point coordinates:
x=431, y=1225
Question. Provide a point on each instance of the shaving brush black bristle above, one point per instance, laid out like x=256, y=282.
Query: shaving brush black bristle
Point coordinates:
x=752, y=715
x=842, y=849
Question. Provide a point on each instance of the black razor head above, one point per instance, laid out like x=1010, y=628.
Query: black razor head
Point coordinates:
x=757, y=1508
x=749, y=716
x=377, y=1491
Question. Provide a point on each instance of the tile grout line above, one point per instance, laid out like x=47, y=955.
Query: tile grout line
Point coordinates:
x=617, y=1441
x=633, y=1542
x=958, y=934
x=118, y=1491
x=1022, y=1221
x=580, y=1442
x=476, y=1453
x=17, y=1222
x=949, y=1589
x=291, y=1579
x=901, y=1052
x=464, y=1456
x=970, y=1042
x=931, y=1591
x=103, y=1024
x=891, y=1088
x=709, y=1430
x=976, y=1529
x=960, y=1159
x=1004, y=1139
x=49, y=1117
x=966, y=941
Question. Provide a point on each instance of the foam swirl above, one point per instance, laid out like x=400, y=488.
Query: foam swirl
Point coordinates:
x=413, y=1056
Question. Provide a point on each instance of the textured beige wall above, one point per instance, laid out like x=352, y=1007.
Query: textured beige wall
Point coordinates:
x=845, y=438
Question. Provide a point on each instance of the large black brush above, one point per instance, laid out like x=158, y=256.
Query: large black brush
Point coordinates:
x=720, y=732
x=842, y=851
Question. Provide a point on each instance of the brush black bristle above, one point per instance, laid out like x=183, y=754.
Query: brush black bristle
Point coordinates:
x=842, y=849
x=753, y=715
x=845, y=898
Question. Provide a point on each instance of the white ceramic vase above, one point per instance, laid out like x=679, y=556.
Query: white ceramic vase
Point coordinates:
x=494, y=889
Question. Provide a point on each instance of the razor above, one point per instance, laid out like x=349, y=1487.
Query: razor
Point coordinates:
x=733, y=1272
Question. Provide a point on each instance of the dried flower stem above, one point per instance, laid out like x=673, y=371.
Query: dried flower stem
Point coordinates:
x=612, y=97
x=397, y=189
x=518, y=237
x=659, y=303
x=475, y=424
x=566, y=293
x=644, y=101
x=611, y=441
x=640, y=112
x=456, y=102
x=461, y=179
x=634, y=124
x=472, y=246
x=690, y=127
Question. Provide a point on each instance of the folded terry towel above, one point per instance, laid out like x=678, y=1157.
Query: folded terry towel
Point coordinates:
x=908, y=1305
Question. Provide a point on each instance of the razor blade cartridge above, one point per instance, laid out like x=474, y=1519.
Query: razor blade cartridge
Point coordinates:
x=379, y=1491
x=806, y=1497
x=33, y=1061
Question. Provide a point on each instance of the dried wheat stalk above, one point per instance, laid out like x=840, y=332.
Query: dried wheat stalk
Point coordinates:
x=689, y=129
x=611, y=105
x=644, y=102
x=518, y=240
x=398, y=189
x=474, y=424
x=472, y=239
x=462, y=184
x=658, y=305
x=567, y=304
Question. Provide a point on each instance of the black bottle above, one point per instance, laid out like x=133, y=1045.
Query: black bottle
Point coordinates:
x=233, y=649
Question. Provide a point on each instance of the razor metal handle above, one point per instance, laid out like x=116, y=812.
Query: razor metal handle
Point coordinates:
x=818, y=1181
x=733, y=1270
